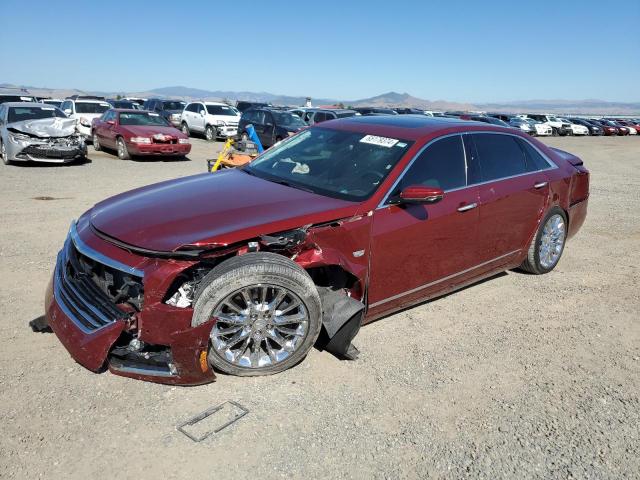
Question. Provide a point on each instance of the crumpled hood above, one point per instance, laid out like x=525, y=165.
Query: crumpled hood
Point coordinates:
x=211, y=210
x=45, y=127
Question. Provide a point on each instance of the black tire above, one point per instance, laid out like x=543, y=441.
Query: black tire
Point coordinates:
x=4, y=154
x=210, y=133
x=96, y=142
x=251, y=270
x=532, y=263
x=123, y=151
x=185, y=129
x=554, y=132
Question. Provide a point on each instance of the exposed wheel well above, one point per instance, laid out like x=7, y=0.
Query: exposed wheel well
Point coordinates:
x=334, y=276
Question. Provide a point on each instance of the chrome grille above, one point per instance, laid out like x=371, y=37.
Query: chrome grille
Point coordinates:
x=78, y=293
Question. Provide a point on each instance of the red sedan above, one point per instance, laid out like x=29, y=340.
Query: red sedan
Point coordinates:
x=138, y=133
x=343, y=223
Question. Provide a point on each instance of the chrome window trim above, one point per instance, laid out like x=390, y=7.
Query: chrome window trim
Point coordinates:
x=552, y=166
x=440, y=280
x=99, y=257
x=383, y=203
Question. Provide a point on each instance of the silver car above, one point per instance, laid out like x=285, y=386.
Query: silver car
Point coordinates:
x=38, y=132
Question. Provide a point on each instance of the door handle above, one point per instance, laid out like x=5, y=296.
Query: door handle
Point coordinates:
x=469, y=206
x=540, y=185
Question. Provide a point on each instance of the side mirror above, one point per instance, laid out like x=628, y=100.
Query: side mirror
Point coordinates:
x=203, y=113
x=68, y=111
x=417, y=194
x=111, y=122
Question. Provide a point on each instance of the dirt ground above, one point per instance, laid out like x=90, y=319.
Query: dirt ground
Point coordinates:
x=520, y=376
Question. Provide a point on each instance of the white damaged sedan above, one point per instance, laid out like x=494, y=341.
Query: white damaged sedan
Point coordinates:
x=576, y=129
x=36, y=132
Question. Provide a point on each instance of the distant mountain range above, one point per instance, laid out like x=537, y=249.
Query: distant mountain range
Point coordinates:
x=390, y=99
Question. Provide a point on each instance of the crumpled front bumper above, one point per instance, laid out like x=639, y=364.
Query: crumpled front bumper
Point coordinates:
x=159, y=325
x=31, y=151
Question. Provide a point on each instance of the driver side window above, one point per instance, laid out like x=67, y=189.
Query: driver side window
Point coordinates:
x=441, y=164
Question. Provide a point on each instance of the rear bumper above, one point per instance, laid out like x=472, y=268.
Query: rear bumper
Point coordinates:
x=577, y=216
x=159, y=148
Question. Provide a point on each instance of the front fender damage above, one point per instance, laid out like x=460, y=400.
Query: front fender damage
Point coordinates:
x=334, y=255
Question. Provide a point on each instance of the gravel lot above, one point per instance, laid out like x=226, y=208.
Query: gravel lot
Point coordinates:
x=520, y=376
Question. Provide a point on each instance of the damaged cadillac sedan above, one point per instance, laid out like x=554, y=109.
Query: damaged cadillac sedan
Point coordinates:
x=35, y=132
x=245, y=270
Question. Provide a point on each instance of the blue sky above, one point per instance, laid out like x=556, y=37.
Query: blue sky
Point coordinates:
x=474, y=51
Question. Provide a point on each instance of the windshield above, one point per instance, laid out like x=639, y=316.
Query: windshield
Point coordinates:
x=19, y=114
x=346, y=114
x=286, y=119
x=338, y=164
x=90, y=107
x=173, y=105
x=55, y=103
x=222, y=110
x=142, y=118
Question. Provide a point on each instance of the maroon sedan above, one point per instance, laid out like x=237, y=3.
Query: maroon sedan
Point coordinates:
x=136, y=132
x=341, y=224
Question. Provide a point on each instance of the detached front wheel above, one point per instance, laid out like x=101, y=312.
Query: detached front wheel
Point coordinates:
x=267, y=314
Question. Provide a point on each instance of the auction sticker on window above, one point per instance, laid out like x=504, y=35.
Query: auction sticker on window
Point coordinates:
x=380, y=141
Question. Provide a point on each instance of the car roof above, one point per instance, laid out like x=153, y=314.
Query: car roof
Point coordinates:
x=84, y=100
x=211, y=103
x=409, y=127
x=27, y=104
x=129, y=110
x=336, y=110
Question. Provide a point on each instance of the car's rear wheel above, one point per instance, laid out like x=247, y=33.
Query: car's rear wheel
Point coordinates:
x=548, y=244
x=123, y=151
x=4, y=154
x=267, y=314
x=96, y=142
x=554, y=131
x=210, y=133
x=185, y=129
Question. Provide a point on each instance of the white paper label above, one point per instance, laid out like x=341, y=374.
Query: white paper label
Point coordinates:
x=380, y=141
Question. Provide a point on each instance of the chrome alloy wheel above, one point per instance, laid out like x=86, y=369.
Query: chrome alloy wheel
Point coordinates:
x=552, y=241
x=259, y=326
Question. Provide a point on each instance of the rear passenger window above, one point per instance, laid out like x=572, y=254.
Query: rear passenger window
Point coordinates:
x=500, y=156
x=535, y=161
x=440, y=165
x=319, y=117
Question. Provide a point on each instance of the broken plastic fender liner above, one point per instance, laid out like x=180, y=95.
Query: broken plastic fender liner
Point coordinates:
x=341, y=319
